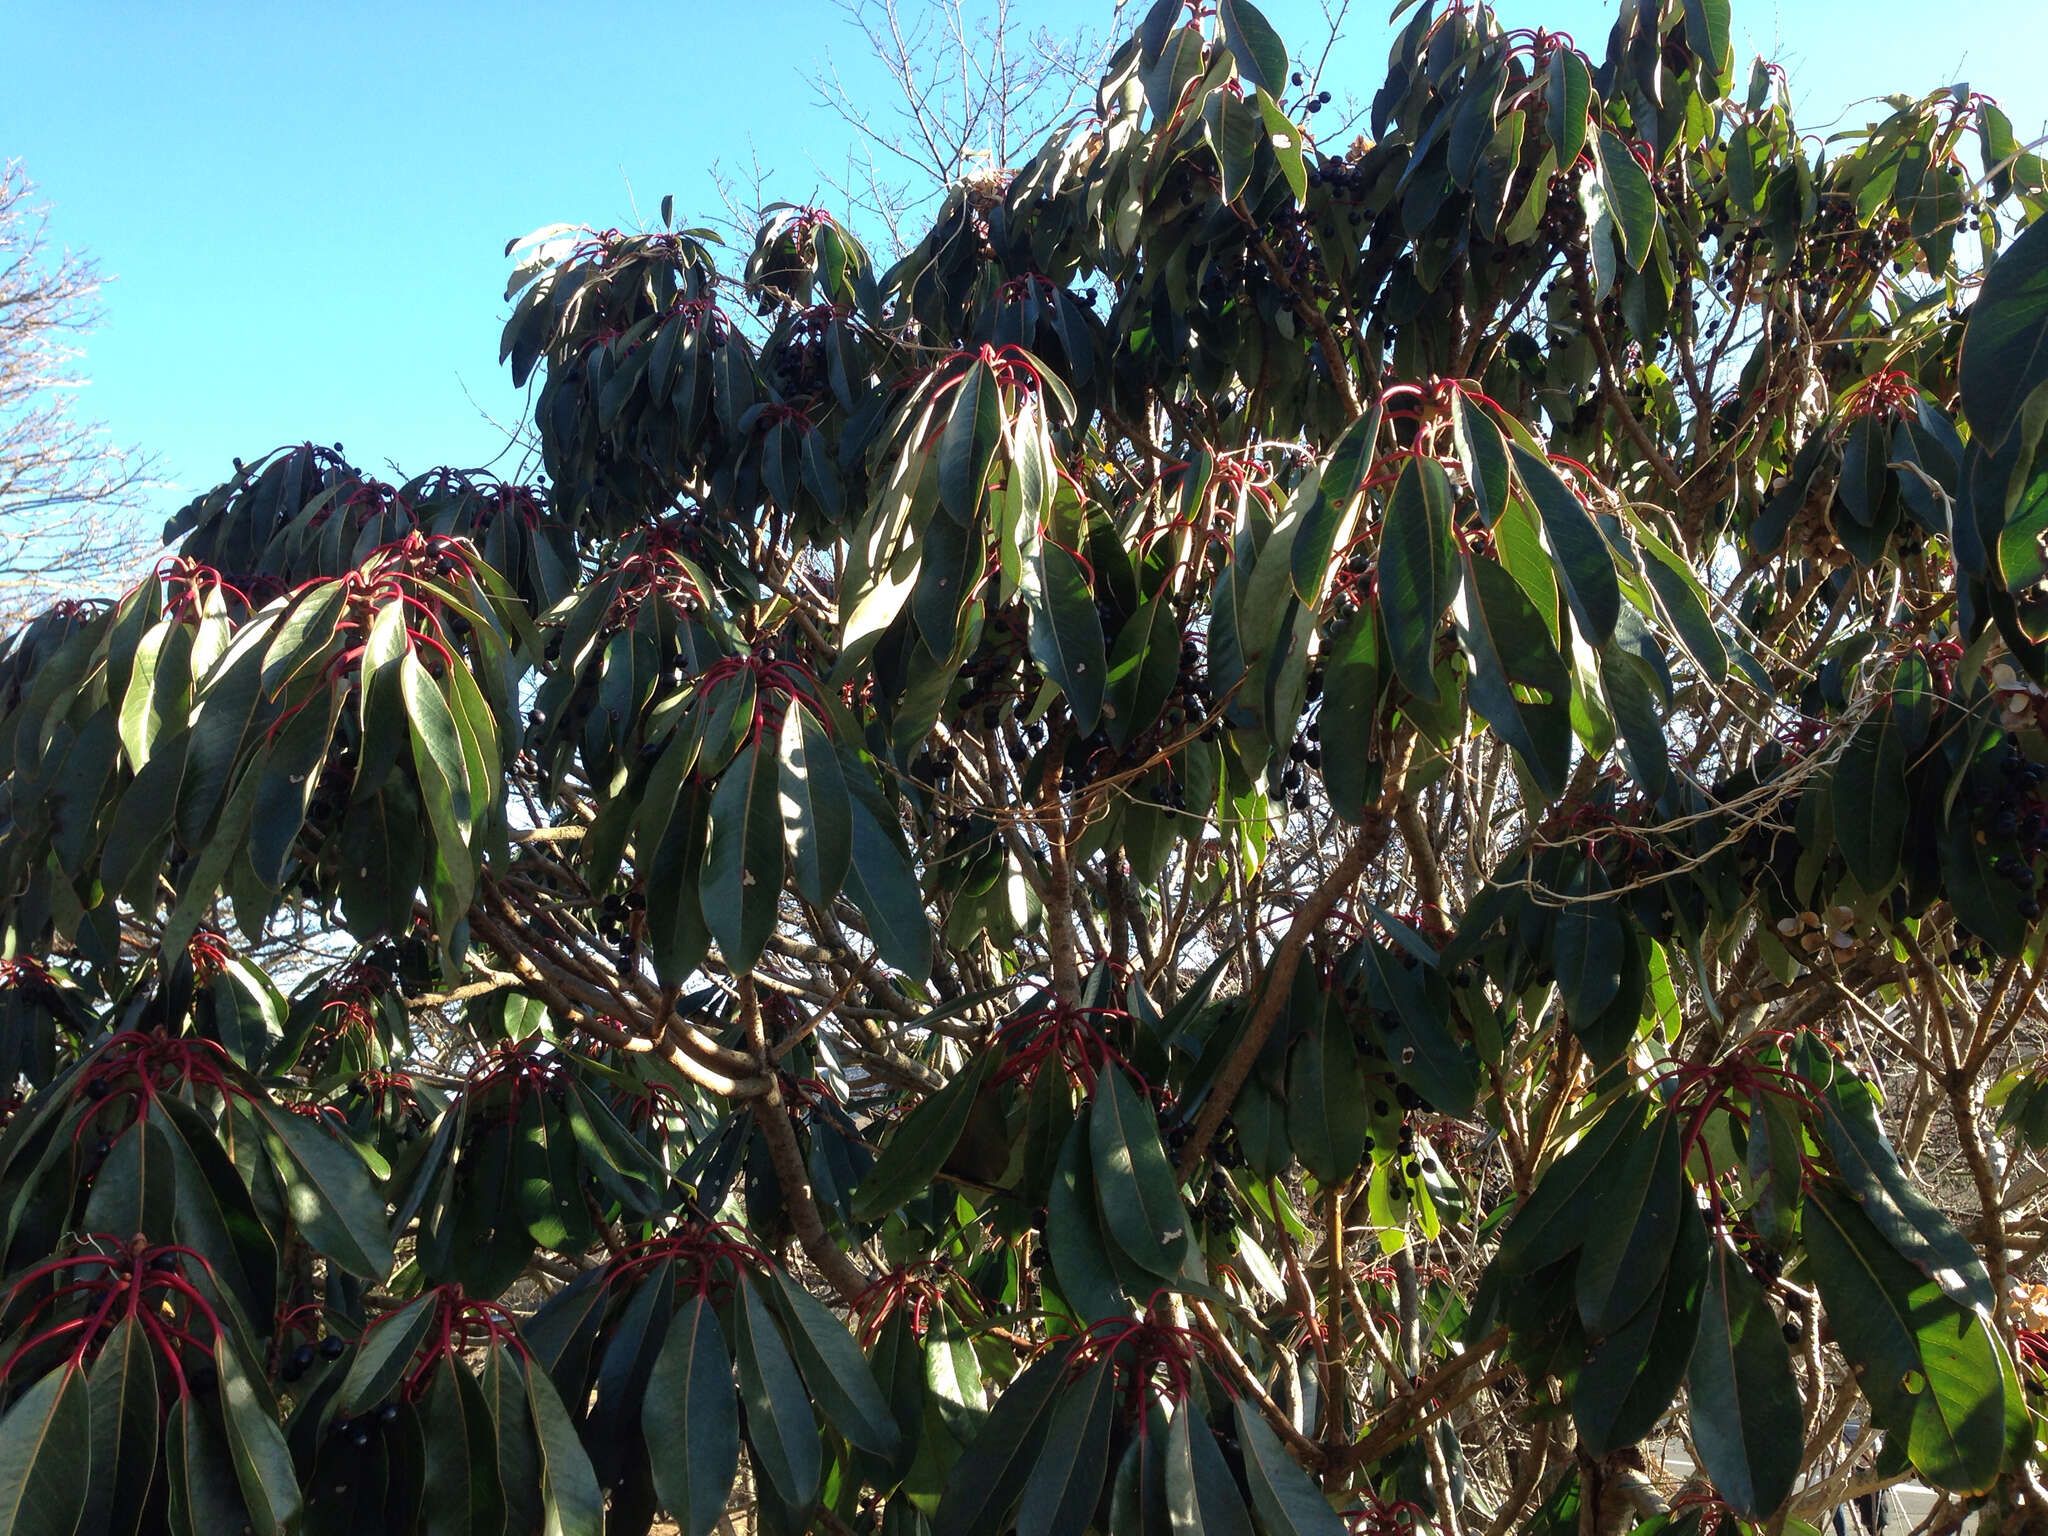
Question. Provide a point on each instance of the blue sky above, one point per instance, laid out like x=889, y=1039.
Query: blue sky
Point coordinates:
x=306, y=207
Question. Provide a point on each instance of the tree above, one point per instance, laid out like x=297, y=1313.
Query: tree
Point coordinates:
x=1275, y=839
x=66, y=495
x=974, y=90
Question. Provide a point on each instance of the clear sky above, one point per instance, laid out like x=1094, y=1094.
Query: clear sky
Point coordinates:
x=306, y=206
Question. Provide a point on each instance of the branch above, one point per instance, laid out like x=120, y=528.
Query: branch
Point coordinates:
x=1369, y=843
x=772, y=1115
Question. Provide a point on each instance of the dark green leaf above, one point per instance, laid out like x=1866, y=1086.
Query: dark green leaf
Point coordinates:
x=1134, y=1183
x=1745, y=1403
x=1484, y=453
x=921, y=1142
x=263, y=1462
x=1585, y=565
x=1065, y=1483
x=692, y=1421
x=973, y=429
x=742, y=879
x=1933, y=1370
x=1261, y=56
x=2005, y=344
x=1418, y=572
x=386, y=1350
x=835, y=1371
x=1868, y=797
x=1088, y=1281
x=45, y=1456
x=881, y=882
x=1066, y=634
x=987, y=1481
x=1201, y=1495
x=124, y=1431
x=1631, y=1375
x=569, y=1491
x=816, y=813
x=328, y=1190
x=1568, y=92
x=1629, y=1247
x=1629, y=196
x=780, y=1427
x=1506, y=642
x=461, y=1492
x=1288, y=1504
x=1909, y=1221
x=1328, y=1107
x=1589, y=939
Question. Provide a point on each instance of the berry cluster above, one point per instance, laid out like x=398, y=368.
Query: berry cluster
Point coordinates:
x=620, y=918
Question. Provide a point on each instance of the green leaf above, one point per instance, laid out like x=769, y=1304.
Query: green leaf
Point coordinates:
x=1933, y=1370
x=135, y=1189
x=1629, y=1247
x=817, y=818
x=1066, y=635
x=45, y=1456
x=519, y=1458
x=124, y=1431
x=742, y=881
x=569, y=1493
x=2005, y=345
x=836, y=1372
x=921, y=1142
x=1287, y=1503
x=987, y=1481
x=1201, y=1495
x=550, y=1179
x=1568, y=93
x=1629, y=195
x=1261, y=55
x=973, y=429
x=384, y=1353
x=1585, y=565
x=1089, y=1282
x=1556, y=1216
x=1869, y=800
x=263, y=1462
x=1134, y=1183
x=1061, y=1493
x=1233, y=131
x=882, y=884
x=691, y=1420
x=1484, y=453
x=1634, y=705
x=1745, y=1403
x=328, y=1191
x=1285, y=137
x=1350, y=708
x=1631, y=1375
x=952, y=1375
x=1706, y=33
x=780, y=1428
x=204, y=1497
x=1144, y=669
x=1588, y=944
x=1418, y=572
x=1506, y=642
x=1682, y=603
x=1328, y=1116
x=461, y=1495
x=1913, y=1224
x=220, y=722
x=1426, y=1052
x=437, y=753
x=142, y=819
